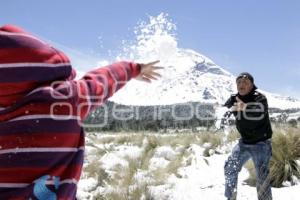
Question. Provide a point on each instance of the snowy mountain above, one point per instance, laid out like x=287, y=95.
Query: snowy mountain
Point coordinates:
x=190, y=77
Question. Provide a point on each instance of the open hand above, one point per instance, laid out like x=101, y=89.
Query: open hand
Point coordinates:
x=148, y=72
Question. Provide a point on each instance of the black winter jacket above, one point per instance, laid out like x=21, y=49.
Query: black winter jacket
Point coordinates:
x=253, y=124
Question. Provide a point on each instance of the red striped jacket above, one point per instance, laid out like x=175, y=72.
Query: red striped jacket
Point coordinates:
x=41, y=107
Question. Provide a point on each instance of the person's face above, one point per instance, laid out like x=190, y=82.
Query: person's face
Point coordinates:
x=244, y=86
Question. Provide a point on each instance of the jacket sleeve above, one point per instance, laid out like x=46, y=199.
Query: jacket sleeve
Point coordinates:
x=100, y=84
x=230, y=101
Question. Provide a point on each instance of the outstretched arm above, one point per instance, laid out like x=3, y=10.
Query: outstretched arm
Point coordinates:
x=100, y=84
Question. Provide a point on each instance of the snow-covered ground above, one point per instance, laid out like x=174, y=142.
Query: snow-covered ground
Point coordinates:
x=196, y=177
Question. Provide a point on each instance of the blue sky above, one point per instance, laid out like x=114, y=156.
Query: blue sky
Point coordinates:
x=259, y=36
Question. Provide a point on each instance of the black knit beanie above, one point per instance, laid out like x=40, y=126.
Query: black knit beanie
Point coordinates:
x=247, y=76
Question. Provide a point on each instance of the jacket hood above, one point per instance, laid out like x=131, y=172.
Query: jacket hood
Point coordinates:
x=26, y=63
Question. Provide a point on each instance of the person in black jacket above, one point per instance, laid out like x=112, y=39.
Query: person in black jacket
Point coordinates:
x=250, y=109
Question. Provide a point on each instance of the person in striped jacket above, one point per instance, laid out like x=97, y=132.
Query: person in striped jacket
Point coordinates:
x=41, y=110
